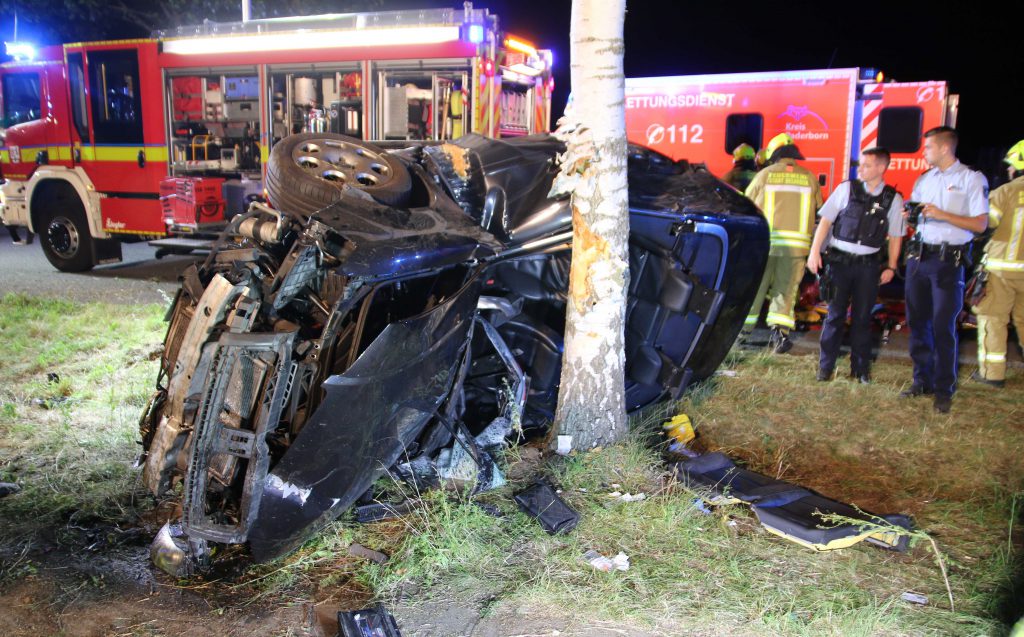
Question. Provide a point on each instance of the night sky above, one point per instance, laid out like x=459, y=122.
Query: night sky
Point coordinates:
x=976, y=47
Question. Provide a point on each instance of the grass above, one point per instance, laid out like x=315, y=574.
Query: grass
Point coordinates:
x=74, y=379
x=955, y=474
x=69, y=441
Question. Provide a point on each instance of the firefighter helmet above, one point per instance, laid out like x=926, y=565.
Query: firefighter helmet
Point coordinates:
x=777, y=142
x=743, y=151
x=761, y=158
x=1015, y=156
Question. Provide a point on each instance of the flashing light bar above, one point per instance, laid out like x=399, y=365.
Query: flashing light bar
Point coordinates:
x=871, y=73
x=311, y=40
x=475, y=33
x=521, y=46
x=20, y=50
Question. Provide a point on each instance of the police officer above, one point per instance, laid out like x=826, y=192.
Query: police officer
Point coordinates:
x=743, y=167
x=1004, y=263
x=954, y=208
x=860, y=215
x=789, y=195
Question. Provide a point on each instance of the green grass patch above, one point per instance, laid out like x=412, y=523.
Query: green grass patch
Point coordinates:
x=73, y=381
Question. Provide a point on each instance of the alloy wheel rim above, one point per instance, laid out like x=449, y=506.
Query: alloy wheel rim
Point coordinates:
x=342, y=163
x=63, y=237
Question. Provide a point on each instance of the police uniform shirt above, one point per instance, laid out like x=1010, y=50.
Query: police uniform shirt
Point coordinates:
x=840, y=198
x=957, y=190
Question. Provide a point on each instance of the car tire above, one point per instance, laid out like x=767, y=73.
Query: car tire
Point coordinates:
x=65, y=237
x=310, y=171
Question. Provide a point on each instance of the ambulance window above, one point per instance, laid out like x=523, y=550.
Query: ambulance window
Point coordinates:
x=116, y=103
x=899, y=128
x=743, y=128
x=76, y=75
x=21, y=98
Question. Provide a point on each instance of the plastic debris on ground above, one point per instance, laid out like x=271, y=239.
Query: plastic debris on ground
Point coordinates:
x=627, y=497
x=564, y=445
x=368, y=622
x=791, y=511
x=698, y=503
x=618, y=563
x=914, y=598
x=680, y=429
x=540, y=501
x=728, y=373
x=8, y=488
x=379, y=511
x=358, y=550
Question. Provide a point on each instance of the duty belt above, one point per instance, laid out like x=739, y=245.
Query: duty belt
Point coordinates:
x=957, y=254
x=835, y=255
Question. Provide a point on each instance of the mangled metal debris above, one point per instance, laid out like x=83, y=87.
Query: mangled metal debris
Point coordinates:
x=312, y=354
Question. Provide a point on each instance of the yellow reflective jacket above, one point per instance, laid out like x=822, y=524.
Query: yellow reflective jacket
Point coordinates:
x=789, y=195
x=1005, y=252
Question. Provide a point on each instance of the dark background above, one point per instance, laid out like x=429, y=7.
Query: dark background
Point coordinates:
x=977, y=47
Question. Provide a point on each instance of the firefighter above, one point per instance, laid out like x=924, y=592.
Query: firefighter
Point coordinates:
x=954, y=207
x=1004, y=265
x=16, y=237
x=760, y=159
x=860, y=214
x=743, y=167
x=789, y=195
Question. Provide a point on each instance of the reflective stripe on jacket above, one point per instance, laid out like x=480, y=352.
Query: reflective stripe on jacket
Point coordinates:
x=1005, y=250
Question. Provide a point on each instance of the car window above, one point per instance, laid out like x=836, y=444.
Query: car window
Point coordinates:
x=22, y=102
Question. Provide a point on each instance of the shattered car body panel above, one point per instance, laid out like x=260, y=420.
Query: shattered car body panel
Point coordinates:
x=309, y=356
x=386, y=398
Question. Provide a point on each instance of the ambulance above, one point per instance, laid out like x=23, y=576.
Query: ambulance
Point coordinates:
x=833, y=114
x=104, y=142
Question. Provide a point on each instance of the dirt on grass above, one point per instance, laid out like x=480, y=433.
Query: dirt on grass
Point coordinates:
x=74, y=541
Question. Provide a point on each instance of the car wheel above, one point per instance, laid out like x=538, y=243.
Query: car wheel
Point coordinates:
x=310, y=171
x=66, y=241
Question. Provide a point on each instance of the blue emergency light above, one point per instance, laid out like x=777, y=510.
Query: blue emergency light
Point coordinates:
x=474, y=33
x=20, y=50
x=871, y=74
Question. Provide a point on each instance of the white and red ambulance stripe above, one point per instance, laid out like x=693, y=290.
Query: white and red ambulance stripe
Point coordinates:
x=869, y=121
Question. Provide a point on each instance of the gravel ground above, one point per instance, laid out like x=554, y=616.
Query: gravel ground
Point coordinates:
x=140, y=278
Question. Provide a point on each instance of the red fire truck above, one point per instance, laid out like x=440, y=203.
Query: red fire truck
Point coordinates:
x=832, y=114
x=104, y=142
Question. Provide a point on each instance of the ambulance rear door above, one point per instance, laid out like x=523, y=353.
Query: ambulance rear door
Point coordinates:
x=896, y=115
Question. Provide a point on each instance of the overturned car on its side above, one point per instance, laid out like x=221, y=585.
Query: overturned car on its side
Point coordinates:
x=403, y=312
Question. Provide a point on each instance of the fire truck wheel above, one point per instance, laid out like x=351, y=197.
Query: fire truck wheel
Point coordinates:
x=309, y=171
x=66, y=241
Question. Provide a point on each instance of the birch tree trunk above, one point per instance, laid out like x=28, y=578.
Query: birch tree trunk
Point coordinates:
x=591, y=400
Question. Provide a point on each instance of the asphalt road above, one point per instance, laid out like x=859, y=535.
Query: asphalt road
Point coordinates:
x=139, y=278
x=142, y=278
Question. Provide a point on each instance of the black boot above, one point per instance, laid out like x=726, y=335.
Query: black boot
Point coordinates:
x=779, y=342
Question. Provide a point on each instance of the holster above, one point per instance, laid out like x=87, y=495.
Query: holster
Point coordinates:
x=826, y=284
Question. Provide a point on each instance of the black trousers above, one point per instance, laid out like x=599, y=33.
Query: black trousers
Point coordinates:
x=856, y=287
x=935, y=296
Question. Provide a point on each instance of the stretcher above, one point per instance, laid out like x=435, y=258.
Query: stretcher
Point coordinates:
x=791, y=511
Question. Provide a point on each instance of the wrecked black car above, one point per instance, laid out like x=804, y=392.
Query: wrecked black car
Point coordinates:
x=402, y=312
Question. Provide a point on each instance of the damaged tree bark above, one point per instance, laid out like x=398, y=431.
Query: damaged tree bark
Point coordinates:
x=591, y=401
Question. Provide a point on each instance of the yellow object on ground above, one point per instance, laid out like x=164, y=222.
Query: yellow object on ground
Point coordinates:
x=680, y=428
